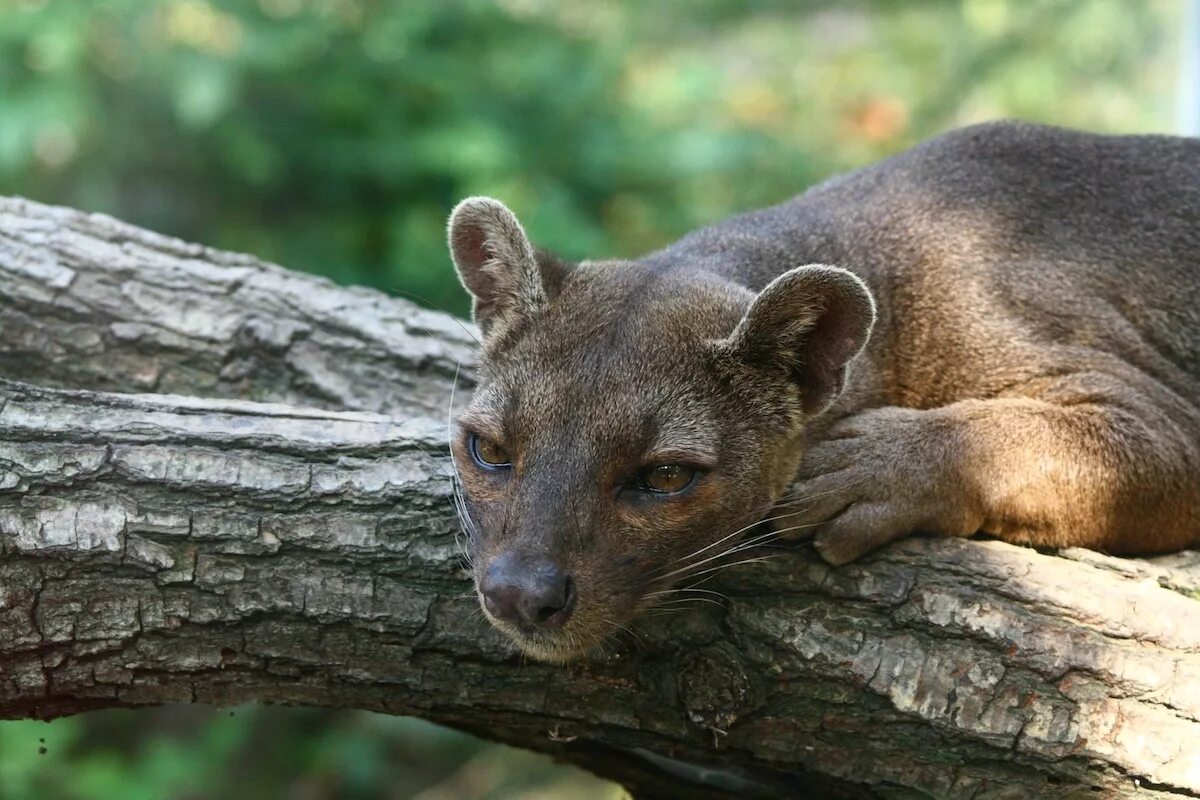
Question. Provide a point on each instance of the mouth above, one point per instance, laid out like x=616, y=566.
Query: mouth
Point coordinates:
x=578, y=637
x=555, y=649
x=551, y=646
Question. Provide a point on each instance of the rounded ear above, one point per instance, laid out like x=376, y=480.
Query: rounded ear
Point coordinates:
x=811, y=321
x=496, y=264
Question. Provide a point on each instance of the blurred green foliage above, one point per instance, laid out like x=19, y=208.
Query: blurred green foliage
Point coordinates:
x=192, y=753
x=334, y=136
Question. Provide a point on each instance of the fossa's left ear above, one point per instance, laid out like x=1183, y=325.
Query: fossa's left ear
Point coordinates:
x=810, y=321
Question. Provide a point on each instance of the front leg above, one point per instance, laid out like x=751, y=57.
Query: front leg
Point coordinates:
x=878, y=476
x=1120, y=476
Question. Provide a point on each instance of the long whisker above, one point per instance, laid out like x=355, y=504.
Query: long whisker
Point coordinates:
x=466, y=524
x=794, y=498
x=430, y=304
x=762, y=540
x=609, y=621
x=689, y=600
x=727, y=537
x=785, y=501
x=687, y=589
x=791, y=528
x=755, y=560
x=748, y=544
x=736, y=548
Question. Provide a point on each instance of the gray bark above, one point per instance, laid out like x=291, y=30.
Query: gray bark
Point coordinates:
x=202, y=547
x=91, y=302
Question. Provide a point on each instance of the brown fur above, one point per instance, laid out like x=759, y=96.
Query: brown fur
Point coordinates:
x=1033, y=373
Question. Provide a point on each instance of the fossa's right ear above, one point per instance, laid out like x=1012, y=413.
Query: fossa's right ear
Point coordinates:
x=509, y=280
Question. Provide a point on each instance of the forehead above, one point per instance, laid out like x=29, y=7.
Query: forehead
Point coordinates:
x=622, y=350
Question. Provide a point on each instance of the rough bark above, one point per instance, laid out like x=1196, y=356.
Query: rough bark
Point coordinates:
x=164, y=548
x=91, y=302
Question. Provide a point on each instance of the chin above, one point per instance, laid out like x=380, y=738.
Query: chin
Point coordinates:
x=549, y=653
x=574, y=642
x=559, y=647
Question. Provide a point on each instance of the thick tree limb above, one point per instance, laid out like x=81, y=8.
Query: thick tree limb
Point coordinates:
x=92, y=303
x=163, y=548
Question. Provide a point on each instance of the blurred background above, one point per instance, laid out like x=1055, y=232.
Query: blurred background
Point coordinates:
x=333, y=136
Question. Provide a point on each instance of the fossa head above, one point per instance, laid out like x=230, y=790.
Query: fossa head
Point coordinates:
x=627, y=419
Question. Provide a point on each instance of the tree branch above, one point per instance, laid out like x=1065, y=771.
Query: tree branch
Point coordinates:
x=159, y=548
x=88, y=302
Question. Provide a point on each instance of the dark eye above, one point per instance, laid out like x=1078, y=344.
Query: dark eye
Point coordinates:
x=666, y=478
x=488, y=454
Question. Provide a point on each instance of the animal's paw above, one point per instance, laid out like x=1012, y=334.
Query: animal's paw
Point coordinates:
x=876, y=477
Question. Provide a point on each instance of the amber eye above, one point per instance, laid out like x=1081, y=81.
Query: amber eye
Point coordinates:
x=666, y=478
x=488, y=454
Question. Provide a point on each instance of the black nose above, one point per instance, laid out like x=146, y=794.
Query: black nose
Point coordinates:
x=529, y=591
